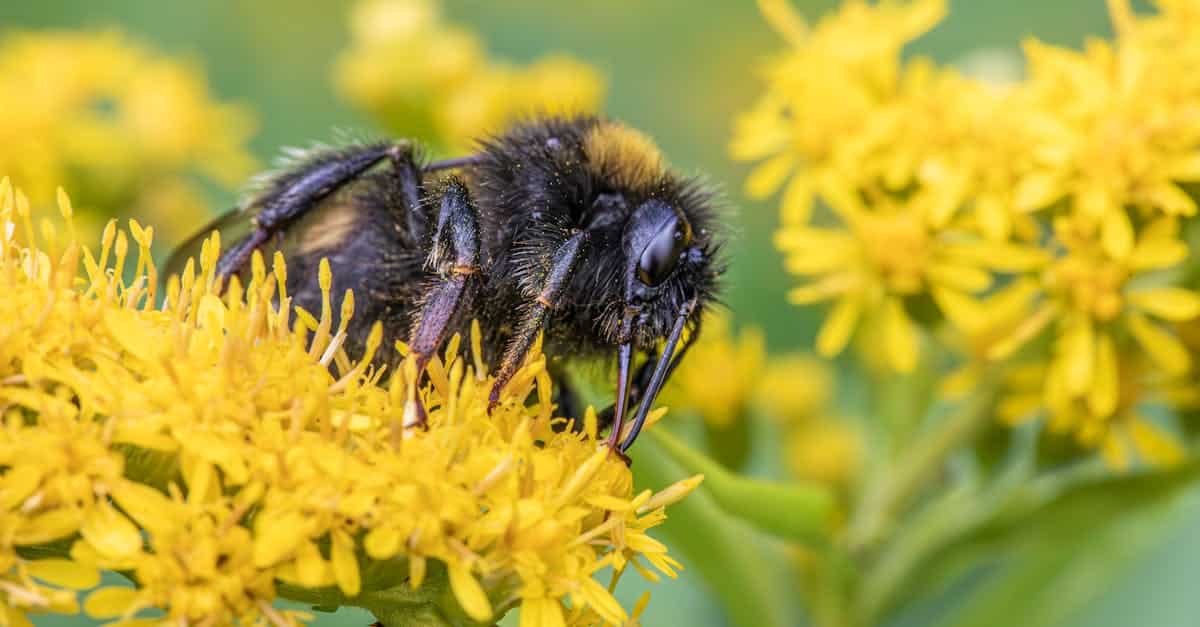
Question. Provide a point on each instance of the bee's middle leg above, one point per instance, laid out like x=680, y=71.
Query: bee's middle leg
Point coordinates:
x=454, y=257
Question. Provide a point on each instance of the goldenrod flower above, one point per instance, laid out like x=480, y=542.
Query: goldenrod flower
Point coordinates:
x=1124, y=129
x=794, y=388
x=829, y=87
x=203, y=446
x=1124, y=434
x=1112, y=345
x=828, y=450
x=1095, y=299
x=885, y=254
x=1046, y=205
x=421, y=77
x=715, y=381
x=124, y=126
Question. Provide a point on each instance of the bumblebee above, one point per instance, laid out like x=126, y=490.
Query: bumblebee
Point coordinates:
x=570, y=227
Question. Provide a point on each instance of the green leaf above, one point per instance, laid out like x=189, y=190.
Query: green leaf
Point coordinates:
x=1055, y=546
x=729, y=444
x=746, y=571
x=794, y=510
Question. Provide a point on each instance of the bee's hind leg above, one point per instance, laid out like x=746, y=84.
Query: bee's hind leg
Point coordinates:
x=454, y=258
x=291, y=193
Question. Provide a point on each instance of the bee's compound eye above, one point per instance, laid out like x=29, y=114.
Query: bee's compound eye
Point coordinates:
x=661, y=255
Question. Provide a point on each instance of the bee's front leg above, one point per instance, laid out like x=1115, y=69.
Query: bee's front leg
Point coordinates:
x=548, y=295
x=454, y=259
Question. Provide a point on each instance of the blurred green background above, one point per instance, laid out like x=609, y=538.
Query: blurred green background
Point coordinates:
x=680, y=71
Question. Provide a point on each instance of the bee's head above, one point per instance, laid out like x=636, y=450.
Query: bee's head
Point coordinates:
x=667, y=279
x=651, y=266
x=669, y=267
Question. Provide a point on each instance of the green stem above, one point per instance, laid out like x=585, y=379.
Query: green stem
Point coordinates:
x=746, y=572
x=794, y=510
x=396, y=604
x=888, y=498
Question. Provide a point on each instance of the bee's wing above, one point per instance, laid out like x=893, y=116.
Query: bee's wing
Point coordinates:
x=233, y=225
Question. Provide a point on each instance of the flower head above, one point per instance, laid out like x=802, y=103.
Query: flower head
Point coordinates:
x=885, y=254
x=125, y=127
x=421, y=77
x=713, y=382
x=204, y=446
x=828, y=87
x=1041, y=218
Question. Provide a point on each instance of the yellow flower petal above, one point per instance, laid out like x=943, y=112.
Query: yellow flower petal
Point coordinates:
x=111, y=533
x=148, y=507
x=469, y=593
x=65, y=573
x=1154, y=445
x=1169, y=303
x=899, y=336
x=828, y=287
x=382, y=542
x=1028, y=329
x=345, y=564
x=1105, y=388
x=1167, y=351
x=961, y=277
x=1172, y=200
x=311, y=569
x=795, y=207
x=768, y=176
x=1116, y=234
x=110, y=602
x=1115, y=451
x=1186, y=168
x=960, y=309
x=277, y=536
x=1078, y=355
x=838, y=326
x=1037, y=191
x=16, y=617
x=1157, y=254
x=541, y=612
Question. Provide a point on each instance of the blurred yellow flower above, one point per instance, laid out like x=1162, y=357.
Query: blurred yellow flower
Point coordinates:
x=794, y=387
x=203, y=444
x=421, y=77
x=716, y=380
x=1094, y=299
x=126, y=128
x=1125, y=128
x=1045, y=209
x=887, y=252
x=1120, y=435
x=828, y=450
x=826, y=89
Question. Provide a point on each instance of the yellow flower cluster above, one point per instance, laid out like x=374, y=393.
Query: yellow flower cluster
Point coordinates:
x=713, y=381
x=794, y=390
x=1042, y=219
x=200, y=444
x=421, y=77
x=127, y=129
